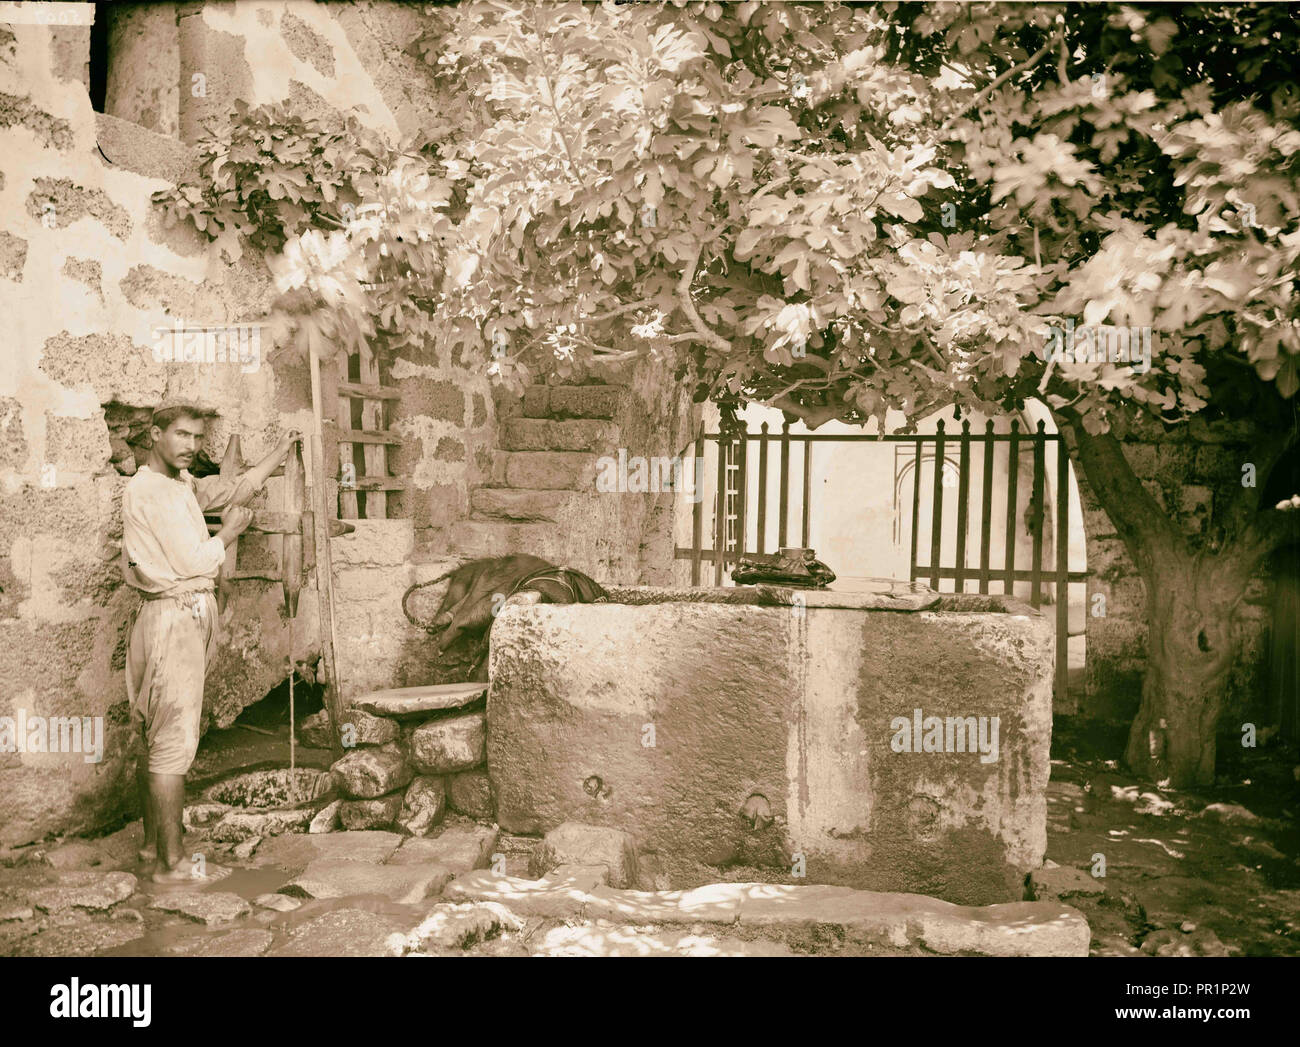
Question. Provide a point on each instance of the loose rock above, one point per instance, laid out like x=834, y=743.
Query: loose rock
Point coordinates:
x=470, y=793
x=576, y=844
x=365, y=774
x=327, y=819
x=456, y=743
x=423, y=806
x=370, y=814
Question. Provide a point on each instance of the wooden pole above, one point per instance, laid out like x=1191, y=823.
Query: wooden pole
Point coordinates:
x=324, y=567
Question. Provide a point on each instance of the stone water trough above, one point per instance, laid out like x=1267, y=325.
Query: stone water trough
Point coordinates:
x=777, y=729
x=261, y=803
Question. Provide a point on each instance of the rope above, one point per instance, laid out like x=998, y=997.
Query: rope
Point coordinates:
x=293, y=756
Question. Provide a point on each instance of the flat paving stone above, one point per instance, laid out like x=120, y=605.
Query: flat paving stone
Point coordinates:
x=335, y=878
x=902, y=921
x=243, y=825
x=458, y=848
x=249, y=941
x=457, y=926
x=908, y=922
x=603, y=938
x=712, y=903
x=83, y=937
x=212, y=909
x=278, y=902
x=562, y=892
x=296, y=852
x=347, y=932
x=85, y=890
x=409, y=703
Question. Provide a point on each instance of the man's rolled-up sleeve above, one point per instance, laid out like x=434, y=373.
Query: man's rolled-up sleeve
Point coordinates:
x=216, y=494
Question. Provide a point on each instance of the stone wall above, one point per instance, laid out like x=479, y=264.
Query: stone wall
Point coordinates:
x=1185, y=470
x=87, y=272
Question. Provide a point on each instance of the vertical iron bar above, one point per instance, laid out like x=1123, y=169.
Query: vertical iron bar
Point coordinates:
x=986, y=507
x=742, y=492
x=1013, y=483
x=1063, y=702
x=1040, y=510
x=762, y=490
x=963, y=506
x=720, y=516
x=916, y=505
x=807, y=487
x=697, y=512
x=785, y=485
x=936, y=518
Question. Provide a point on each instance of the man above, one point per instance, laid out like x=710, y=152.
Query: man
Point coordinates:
x=168, y=555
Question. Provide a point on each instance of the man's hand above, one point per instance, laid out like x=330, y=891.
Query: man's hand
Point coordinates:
x=287, y=441
x=234, y=522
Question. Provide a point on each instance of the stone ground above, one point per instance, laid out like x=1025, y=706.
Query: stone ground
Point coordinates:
x=1213, y=873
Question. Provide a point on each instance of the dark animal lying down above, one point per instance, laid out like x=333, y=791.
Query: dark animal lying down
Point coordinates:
x=480, y=588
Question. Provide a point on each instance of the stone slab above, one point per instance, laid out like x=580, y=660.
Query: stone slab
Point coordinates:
x=251, y=941
x=210, y=908
x=891, y=922
x=415, y=703
x=458, y=848
x=712, y=903
x=561, y=893
x=452, y=925
x=603, y=938
x=345, y=932
x=244, y=825
x=331, y=878
x=295, y=853
x=84, y=890
x=903, y=921
x=83, y=937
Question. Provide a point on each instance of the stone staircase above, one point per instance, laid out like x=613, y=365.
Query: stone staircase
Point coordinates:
x=546, y=467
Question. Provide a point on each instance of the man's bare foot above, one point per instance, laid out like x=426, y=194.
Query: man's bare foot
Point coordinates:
x=184, y=873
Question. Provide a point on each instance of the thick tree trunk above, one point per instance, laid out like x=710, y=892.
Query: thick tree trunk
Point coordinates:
x=1190, y=651
x=1191, y=596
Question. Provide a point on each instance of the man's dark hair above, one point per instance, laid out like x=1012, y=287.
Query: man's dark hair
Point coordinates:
x=165, y=416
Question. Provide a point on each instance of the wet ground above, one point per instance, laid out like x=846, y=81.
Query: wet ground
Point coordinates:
x=1155, y=872
x=1206, y=872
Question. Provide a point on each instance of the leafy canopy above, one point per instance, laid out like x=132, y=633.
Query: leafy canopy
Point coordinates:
x=835, y=208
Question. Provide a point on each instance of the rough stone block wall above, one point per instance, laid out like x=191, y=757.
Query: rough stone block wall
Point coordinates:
x=542, y=498
x=1185, y=470
x=87, y=273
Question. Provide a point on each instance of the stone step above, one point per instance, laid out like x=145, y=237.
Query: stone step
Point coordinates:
x=482, y=538
x=795, y=913
x=544, y=470
x=572, y=401
x=506, y=503
x=551, y=434
x=416, y=703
